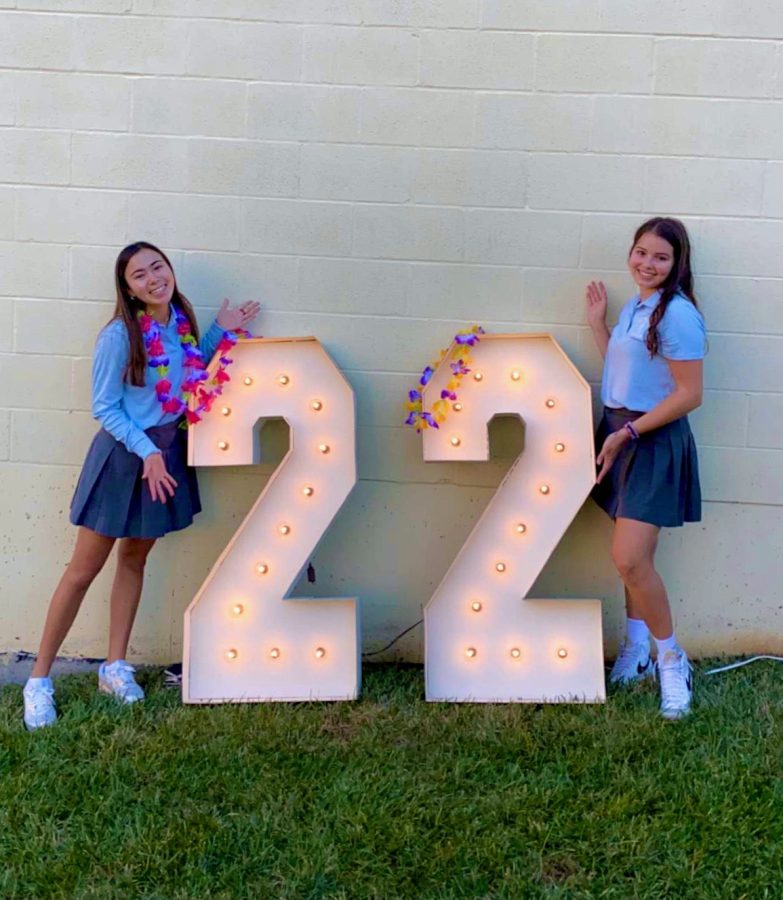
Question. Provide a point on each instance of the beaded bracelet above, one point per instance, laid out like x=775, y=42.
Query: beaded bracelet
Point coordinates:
x=634, y=434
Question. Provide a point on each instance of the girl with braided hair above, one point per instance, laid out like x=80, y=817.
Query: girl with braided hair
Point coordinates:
x=648, y=475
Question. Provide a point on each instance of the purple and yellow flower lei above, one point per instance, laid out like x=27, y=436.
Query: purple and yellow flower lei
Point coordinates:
x=459, y=352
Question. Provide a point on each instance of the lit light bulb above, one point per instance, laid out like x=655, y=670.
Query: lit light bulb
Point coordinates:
x=247, y=380
x=316, y=405
x=223, y=445
x=476, y=606
x=520, y=528
x=225, y=411
x=559, y=447
x=320, y=652
x=544, y=488
x=284, y=529
x=515, y=375
x=550, y=403
x=562, y=652
x=470, y=652
x=478, y=376
x=515, y=652
x=324, y=448
x=275, y=653
x=455, y=441
x=457, y=407
x=308, y=491
x=500, y=567
x=283, y=379
x=231, y=654
x=262, y=568
x=237, y=609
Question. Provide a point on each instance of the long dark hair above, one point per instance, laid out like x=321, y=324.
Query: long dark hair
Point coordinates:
x=127, y=307
x=679, y=280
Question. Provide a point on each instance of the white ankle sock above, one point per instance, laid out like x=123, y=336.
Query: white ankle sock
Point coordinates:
x=669, y=643
x=40, y=680
x=637, y=631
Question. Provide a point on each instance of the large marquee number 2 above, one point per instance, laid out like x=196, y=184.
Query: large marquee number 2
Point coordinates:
x=484, y=642
x=243, y=640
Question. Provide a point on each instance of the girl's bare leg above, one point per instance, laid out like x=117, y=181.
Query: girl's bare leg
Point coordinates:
x=89, y=555
x=126, y=592
x=633, y=552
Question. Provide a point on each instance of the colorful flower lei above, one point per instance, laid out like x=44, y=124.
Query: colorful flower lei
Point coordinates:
x=194, y=383
x=463, y=343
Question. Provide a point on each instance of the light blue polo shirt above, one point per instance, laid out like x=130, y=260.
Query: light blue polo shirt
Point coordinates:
x=631, y=378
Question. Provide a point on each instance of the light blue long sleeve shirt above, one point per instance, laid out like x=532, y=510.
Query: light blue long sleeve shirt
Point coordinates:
x=126, y=411
x=631, y=378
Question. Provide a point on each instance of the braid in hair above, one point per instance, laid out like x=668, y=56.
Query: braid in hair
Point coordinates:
x=678, y=281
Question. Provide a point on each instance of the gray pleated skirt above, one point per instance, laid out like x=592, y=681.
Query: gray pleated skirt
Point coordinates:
x=654, y=479
x=112, y=499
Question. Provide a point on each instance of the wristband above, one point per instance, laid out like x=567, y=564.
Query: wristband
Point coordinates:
x=634, y=434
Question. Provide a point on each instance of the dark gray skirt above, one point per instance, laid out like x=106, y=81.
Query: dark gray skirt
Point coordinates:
x=112, y=499
x=654, y=479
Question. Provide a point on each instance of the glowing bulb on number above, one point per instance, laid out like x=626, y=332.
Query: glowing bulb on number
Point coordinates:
x=476, y=606
x=324, y=448
x=455, y=441
x=559, y=447
x=520, y=528
x=562, y=652
x=515, y=652
x=478, y=376
x=320, y=652
x=543, y=488
x=262, y=568
x=247, y=380
x=231, y=653
x=515, y=375
x=500, y=567
x=457, y=407
x=470, y=652
x=283, y=379
x=274, y=653
x=316, y=405
x=223, y=445
x=308, y=491
x=550, y=403
x=237, y=609
x=284, y=529
x=225, y=411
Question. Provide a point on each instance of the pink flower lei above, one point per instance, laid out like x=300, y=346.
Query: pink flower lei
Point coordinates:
x=197, y=382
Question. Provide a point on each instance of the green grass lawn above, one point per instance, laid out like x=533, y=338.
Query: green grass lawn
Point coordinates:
x=392, y=797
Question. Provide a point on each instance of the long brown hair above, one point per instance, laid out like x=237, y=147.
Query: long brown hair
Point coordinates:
x=127, y=307
x=679, y=280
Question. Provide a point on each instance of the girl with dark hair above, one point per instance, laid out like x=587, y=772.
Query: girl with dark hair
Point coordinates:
x=135, y=484
x=648, y=475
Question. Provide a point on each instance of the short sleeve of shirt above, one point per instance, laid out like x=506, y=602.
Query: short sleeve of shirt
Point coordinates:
x=681, y=331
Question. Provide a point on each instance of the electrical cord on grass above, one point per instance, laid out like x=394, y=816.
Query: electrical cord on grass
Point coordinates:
x=742, y=662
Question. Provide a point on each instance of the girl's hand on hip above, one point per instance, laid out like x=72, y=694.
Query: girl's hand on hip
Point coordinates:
x=596, y=303
x=612, y=446
x=157, y=478
x=232, y=317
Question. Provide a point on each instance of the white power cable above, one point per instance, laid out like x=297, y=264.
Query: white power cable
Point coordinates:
x=742, y=662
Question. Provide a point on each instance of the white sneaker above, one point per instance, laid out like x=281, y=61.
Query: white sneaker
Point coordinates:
x=633, y=663
x=674, y=670
x=117, y=678
x=39, y=709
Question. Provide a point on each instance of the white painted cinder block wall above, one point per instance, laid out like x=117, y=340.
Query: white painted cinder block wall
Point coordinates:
x=380, y=173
